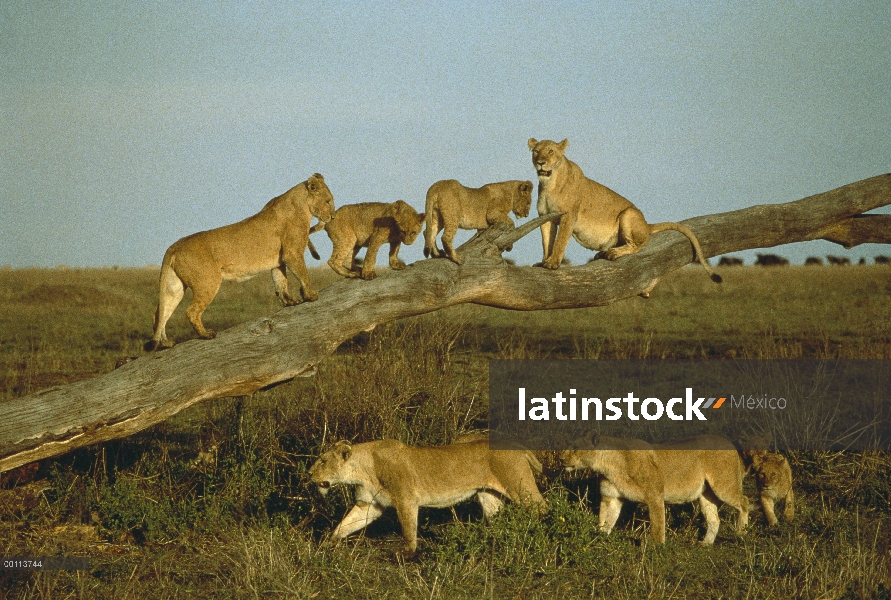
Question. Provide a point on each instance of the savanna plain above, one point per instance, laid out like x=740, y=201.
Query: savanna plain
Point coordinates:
x=216, y=501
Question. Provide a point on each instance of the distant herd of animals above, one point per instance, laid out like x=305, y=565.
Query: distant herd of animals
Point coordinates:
x=387, y=473
x=772, y=260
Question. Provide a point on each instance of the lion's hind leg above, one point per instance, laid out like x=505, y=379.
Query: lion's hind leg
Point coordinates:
x=171, y=291
x=633, y=234
x=203, y=294
x=709, y=508
x=433, y=225
x=448, y=235
x=339, y=257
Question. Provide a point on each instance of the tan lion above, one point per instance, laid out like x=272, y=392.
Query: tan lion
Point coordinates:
x=674, y=473
x=452, y=206
x=273, y=239
x=774, y=478
x=369, y=224
x=597, y=217
x=389, y=473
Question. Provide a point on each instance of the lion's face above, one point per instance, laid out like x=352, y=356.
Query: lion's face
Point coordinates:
x=546, y=155
x=571, y=459
x=574, y=458
x=523, y=199
x=331, y=467
x=770, y=471
x=320, y=199
x=408, y=221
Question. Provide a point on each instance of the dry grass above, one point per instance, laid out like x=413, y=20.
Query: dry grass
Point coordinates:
x=215, y=502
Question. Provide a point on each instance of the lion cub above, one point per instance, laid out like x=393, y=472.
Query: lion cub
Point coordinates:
x=705, y=468
x=272, y=240
x=774, y=478
x=369, y=224
x=389, y=473
x=597, y=217
x=452, y=206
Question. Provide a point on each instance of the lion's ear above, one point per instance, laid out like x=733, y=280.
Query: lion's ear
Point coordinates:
x=314, y=182
x=526, y=186
x=563, y=144
x=421, y=217
x=532, y=142
x=758, y=458
x=595, y=438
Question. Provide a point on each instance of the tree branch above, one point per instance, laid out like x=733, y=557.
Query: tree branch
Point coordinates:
x=290, y=343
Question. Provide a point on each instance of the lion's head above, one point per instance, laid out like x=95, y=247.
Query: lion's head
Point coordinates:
x=332, y=467
x=573, y=458
x=771, y=470
x=546, y=156
x=523, y=199
x=407, y=220
x=319, y=199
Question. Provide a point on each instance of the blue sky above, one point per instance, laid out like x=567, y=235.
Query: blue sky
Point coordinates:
x=125, y=126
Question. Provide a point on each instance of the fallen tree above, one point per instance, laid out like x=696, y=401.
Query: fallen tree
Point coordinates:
x=290, y=343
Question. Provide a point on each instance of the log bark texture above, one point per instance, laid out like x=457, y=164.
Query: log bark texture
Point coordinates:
x=290, y=343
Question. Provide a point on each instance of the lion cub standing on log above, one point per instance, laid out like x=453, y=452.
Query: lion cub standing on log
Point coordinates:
x=274, y=238
x=452, y=206
x=389, y=473
x=596, y=216
x=706, y=468
x=369, y=224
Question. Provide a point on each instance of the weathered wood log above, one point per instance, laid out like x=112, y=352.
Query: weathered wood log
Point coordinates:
x=290, y=343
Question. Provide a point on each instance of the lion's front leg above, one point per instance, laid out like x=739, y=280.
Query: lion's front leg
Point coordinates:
x=767, y=505
x=656, y=510
x=280, y=281
x=564, y=233
x=548, y=235
x=610, y=506
x=408, y=518
x=374, y=244
x=357, y=518
x=395, y=263
x=295, y=262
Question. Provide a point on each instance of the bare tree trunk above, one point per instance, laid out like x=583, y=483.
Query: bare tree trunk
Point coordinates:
x=293, y=341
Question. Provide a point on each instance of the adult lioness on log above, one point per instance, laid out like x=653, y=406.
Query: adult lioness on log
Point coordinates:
x=275, y=238
x=371, y=225
x=597, y=217
x=452, y=206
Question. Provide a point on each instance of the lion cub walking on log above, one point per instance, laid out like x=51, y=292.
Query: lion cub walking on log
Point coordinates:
x=273, y=239
x=452, y=206
x=389, y=473
x=597, y=217
x=706, y=468
x=369, y=224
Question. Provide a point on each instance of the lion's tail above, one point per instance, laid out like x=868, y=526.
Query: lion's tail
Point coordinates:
x=309, y=244
x=696, y=247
